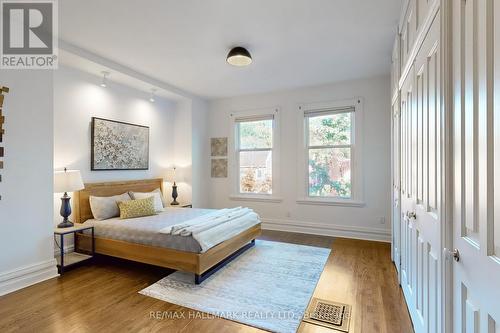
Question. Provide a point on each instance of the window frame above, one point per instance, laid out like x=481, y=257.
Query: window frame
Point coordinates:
x=357, y=193
x=349, y=146
x=234, y=162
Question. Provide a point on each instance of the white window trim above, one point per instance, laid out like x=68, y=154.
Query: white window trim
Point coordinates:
x=233, y=170
x=357, y=188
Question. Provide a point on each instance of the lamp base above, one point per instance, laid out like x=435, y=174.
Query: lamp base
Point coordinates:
x=65, y=224
x=174, y=195
x=65, y=212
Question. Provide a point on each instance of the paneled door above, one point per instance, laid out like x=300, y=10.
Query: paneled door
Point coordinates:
x=421, y=179
x=476, y=166
x=396, y=188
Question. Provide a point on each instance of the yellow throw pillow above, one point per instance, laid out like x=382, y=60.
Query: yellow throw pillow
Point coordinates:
x=137, y=208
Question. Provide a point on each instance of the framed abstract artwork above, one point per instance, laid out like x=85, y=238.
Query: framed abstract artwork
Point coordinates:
x=219, y=168
x=118, y=146
x=218, y=146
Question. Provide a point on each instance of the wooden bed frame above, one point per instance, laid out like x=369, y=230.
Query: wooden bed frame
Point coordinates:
x=201, y=264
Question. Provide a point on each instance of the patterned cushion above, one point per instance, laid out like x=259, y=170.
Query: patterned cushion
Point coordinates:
x=106, y=207
x=158, y=196
x=137, y=208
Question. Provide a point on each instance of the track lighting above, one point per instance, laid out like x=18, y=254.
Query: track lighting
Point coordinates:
x=104, y=82
x=152, y=97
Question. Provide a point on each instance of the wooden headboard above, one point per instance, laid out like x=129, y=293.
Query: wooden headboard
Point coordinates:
x=82, y=210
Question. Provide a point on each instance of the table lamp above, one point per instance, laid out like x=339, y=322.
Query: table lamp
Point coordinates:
x=67, y=181
x=174, y=174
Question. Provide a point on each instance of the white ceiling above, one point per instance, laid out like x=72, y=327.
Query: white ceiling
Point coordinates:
x=184, y=43
x=91, y=66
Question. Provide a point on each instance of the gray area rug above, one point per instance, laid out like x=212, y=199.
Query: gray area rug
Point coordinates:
x=268, y=287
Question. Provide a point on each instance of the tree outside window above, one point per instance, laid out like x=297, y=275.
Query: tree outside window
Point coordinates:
x=255, y=145
x=329, y=146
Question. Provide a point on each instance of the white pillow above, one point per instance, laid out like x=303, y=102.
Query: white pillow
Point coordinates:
x=106, y=207
x=144, y=195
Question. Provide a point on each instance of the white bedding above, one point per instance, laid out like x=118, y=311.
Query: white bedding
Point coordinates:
x=215, y=227
x=146, y=230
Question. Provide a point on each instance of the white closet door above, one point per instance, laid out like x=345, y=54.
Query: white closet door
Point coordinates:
x=476, y=153
x=421, y=178
x=396, y=194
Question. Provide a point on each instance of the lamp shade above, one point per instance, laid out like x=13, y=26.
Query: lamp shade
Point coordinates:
x=175, y=174
x=68, y=181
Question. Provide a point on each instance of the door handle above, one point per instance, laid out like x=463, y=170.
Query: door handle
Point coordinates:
x=411, y=215
x=455, y=254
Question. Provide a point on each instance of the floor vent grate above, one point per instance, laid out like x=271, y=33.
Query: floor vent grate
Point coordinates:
x=329, y=314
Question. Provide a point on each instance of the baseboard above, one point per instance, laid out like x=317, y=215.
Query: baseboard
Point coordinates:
x=26, y=276
x=326, y=229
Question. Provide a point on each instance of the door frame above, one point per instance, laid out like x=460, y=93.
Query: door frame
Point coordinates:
x=447, y=179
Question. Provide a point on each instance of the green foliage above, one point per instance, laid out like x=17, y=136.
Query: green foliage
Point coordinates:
x=320, y=183
x=329, y=130
x=256, y=134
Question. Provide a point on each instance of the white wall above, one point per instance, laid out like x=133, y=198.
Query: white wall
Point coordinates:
x=357, y=222
x=201, y=153
x=191, y=151
x=78, y=97
x=26, y=254
x=182, y=136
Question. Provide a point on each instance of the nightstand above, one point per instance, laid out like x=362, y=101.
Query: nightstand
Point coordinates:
x=66, y=260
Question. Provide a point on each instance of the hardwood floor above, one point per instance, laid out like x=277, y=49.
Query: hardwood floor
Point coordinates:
x=104, y=297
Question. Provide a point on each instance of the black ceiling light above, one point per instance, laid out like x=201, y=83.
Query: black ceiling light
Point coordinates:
x=239, y=56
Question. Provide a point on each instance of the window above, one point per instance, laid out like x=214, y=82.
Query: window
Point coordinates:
x=255, y=155
x=331, y=146
x=329, y=138
x=255, y=142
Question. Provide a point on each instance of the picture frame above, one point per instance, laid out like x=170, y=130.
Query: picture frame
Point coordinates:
x=219, y=168
x=118, y=146
x=218, y=146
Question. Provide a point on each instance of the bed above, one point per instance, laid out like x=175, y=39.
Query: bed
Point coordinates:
x=139, y=240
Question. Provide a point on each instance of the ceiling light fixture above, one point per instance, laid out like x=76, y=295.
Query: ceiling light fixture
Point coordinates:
x=152, y=97
x=239, y=56
x=104, y=82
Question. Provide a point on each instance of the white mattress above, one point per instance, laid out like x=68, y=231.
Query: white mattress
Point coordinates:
x=144, y=230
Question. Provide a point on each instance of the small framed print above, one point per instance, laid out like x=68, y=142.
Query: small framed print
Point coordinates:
x=219, y=168
x=218, y=146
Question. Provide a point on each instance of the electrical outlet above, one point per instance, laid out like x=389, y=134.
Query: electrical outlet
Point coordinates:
x=381, y=220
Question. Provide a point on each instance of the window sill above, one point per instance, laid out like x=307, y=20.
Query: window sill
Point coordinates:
x=257, y=198
x=331, y=202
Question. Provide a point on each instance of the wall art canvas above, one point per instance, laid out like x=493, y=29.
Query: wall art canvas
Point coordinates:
x=219, y=168
x=119, y=146
x=219, y=146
